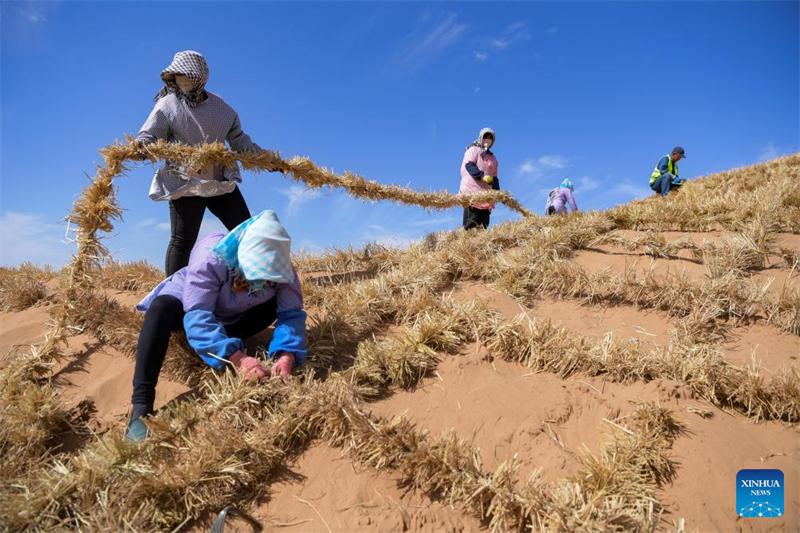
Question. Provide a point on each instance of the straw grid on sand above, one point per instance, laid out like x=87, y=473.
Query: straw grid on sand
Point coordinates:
x=229, y=440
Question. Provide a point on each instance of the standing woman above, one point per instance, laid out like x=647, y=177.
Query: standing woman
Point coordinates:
x=479, y=174
x=185, y=112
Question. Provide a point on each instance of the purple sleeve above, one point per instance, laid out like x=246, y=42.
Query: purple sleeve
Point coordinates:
x=571, y=199
x=205, y=276
x=290, y=327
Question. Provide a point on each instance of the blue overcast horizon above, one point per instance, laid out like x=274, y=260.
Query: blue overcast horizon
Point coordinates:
x=591, y=91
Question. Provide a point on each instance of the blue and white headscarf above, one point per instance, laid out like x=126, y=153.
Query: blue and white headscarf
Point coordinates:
x=567, y=184
x=259, y=249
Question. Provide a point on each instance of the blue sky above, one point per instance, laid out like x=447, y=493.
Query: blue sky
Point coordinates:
x=595, y=92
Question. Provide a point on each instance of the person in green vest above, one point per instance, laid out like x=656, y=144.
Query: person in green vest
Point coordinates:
x=665, y=176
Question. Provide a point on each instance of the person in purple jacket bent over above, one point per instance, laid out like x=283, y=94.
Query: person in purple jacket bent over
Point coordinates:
x=558, y=198
x=235, y=286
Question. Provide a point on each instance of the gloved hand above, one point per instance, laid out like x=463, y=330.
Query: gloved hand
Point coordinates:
x=138, y=154
x=250, y=367
x=274, y=168
x=283, y=367
x=488, y=179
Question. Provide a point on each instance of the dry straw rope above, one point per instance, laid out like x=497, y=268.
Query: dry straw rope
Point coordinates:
x=304, y=170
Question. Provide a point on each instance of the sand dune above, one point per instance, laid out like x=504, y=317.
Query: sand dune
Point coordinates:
x=549, y=422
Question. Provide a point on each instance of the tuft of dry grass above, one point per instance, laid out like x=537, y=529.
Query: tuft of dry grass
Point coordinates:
x=130, y=276
x=24, y=286
x=783, y=308
x=791, y=258
x=543, y=347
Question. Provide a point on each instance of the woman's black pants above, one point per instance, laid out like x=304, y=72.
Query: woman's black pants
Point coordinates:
x=476, y=218
x=164, y=316
x=186, y=216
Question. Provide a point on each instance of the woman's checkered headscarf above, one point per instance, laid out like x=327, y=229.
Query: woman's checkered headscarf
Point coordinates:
x=193, y=65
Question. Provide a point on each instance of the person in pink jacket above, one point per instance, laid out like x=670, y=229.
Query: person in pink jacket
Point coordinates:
x=479, y=174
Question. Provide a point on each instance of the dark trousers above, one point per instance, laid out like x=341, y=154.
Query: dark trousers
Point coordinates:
x=476, y=218
x=186, y=215
x=164, y=316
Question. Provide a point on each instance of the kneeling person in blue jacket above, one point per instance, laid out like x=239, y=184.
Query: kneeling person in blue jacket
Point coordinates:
x=665, y=175
x=235, y=286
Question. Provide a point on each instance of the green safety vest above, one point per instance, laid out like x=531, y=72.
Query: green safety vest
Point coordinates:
x=672, y=168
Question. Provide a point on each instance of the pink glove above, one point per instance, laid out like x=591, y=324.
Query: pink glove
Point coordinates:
x=250, y=367
x=283, y=367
